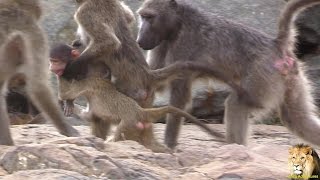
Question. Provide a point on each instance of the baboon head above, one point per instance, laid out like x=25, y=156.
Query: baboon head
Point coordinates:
x=158, y=21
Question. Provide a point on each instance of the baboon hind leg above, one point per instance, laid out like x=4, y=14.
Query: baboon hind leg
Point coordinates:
x=5, y=136
x=42, y=97
x=150, y=142
x=100, y=127
x=236, y=119
x=180, y=96
x=145, y=137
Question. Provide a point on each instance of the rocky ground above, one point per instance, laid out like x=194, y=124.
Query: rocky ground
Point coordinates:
x=41, y=153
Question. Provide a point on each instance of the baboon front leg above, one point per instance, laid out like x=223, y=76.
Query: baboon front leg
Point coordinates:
x=100, y=127
x=180, y=96
x=5, y=136
x=43, y=99
x=236, y=119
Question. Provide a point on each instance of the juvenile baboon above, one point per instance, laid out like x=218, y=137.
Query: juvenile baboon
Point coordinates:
x=265, y=68
x=24, y=50
x=108, y=106
x=105, y=32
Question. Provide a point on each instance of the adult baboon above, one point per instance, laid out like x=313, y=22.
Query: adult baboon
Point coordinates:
x=265, y=68
x=24, y=50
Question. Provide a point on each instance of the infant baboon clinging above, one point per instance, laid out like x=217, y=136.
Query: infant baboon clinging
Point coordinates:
x=108, y=106
x=24, y=50
x=265, y=68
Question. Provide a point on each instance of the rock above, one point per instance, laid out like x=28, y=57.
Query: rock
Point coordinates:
x=43, y=153
x=47, y=174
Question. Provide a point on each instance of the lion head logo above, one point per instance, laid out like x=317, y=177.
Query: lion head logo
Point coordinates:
x=303, y=162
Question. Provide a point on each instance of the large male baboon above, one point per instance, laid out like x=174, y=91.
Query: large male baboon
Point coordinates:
x=265, y=68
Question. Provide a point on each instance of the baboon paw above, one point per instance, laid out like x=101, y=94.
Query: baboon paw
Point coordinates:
x=170, y=144
x=158, y=148
x=71, y=132
x=7, y=142
x=68, y=111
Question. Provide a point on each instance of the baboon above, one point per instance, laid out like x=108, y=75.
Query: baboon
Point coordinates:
x=111, y=41
x=59, y=56
x=265, y=68
x=108, y=106
x=24, y=50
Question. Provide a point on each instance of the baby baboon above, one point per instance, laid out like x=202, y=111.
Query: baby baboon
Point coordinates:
x=265, y=68
x=59, y=57
x=108, y=106
x=24, y=50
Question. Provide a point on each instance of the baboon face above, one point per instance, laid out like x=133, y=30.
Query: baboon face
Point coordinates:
x=158, y=22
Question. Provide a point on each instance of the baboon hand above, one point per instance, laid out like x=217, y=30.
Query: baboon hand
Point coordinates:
x=68, y=109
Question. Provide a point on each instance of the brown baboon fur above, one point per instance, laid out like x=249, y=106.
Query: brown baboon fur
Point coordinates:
x=24, y=50
x=265, y=69
x=105, y=100
x=108, y=106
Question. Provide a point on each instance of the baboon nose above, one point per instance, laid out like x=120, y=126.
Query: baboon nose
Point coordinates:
x=139, y=43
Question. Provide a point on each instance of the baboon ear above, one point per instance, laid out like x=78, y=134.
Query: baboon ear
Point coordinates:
x=15, y=49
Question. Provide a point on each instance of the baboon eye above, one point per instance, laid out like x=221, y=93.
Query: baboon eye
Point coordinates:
x=147, y=16
x=302, y=157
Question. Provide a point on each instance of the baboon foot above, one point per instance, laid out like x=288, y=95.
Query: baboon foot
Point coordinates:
x=70, y=132
x=158, y=148
x=6, y=141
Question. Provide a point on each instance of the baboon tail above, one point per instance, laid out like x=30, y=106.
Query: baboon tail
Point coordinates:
x=286, y=31
x=180, y=69
x=298, y=112
x=157, y=113
x=15, y=51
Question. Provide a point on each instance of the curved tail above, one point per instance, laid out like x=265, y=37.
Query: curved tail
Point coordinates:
x=298, y=112
x=286, y=31
x=157, y=113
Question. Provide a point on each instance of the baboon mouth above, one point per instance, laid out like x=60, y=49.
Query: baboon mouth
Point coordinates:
x=59, y=72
